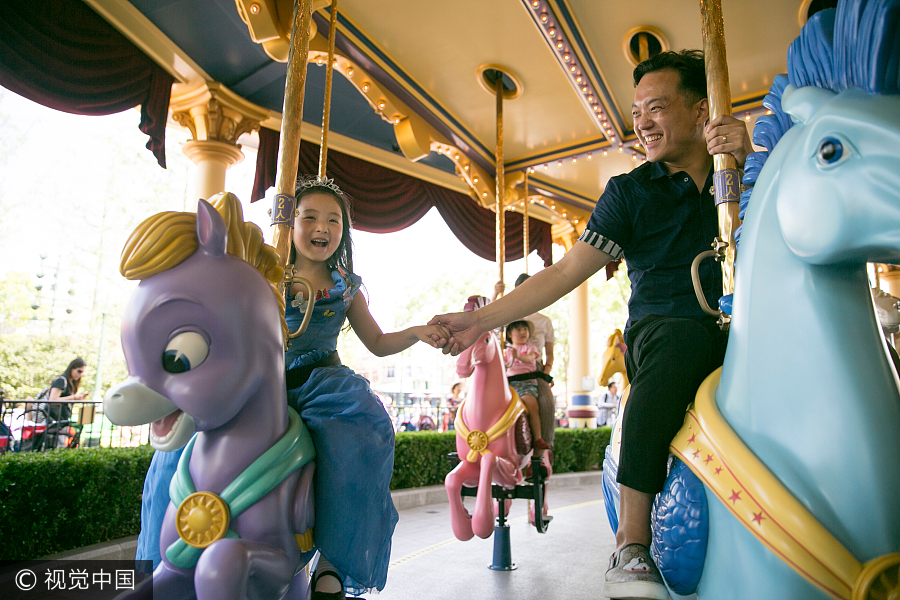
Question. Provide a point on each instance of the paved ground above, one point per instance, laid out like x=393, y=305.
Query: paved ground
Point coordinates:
x=428, y=563
x=568, y=562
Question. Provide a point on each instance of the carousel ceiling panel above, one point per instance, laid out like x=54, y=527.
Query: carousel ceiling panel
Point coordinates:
x=428, y=54
x=439, y=47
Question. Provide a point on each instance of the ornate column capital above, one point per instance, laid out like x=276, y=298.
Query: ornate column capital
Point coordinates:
x=212, y=112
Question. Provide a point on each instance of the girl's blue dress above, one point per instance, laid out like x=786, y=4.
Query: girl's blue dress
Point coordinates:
x=354, y=440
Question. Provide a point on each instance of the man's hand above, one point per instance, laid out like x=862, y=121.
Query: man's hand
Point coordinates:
x=464, y=330
x=727, y=135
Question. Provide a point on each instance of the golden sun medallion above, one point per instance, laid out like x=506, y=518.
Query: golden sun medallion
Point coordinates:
x=201, y=519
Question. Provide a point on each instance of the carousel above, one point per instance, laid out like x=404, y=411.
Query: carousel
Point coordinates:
x=508, y=117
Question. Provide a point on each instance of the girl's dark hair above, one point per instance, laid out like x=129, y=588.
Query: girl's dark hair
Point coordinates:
x=343, y=256
x=516, y=325
x=78, y=363
x=689, y=65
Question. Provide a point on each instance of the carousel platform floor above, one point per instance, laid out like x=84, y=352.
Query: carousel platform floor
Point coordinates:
x=567, y=562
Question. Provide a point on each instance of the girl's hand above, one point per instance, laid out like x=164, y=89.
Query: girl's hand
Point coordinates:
x=514, y=353
x=463, y=327
x=727, y=135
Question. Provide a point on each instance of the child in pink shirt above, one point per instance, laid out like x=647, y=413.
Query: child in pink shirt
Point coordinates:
x=521, y=359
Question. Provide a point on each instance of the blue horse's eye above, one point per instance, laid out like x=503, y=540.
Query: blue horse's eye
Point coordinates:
x=830, y=151
x=184, y=352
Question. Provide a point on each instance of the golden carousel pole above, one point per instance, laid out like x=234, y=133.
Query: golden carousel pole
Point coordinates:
x=291, y=120
x=525, y=224
x=326, y=111
x=726, y=178
x=501, y=206
x=285, y=206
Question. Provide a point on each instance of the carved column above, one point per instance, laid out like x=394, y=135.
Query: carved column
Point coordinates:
x=216, y=118
x=582, y=410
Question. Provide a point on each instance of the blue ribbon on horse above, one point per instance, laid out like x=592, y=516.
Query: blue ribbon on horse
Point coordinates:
x=291, y=452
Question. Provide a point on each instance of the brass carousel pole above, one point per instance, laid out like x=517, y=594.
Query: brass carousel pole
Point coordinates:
x=726, y=178
x=291, y=119
x=501, y=207
x=326, y=111
x=525, y=224
x=285, y=206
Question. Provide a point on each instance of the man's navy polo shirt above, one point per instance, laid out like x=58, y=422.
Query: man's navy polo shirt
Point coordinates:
x=659, y=223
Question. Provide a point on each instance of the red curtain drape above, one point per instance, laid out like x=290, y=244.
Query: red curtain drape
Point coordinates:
x=63, y=55
x=385, y=201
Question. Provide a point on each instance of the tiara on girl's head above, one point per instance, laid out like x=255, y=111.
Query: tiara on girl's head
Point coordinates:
x=305, y=183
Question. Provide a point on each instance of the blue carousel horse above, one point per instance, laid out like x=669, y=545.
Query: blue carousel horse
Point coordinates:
x=785, y=481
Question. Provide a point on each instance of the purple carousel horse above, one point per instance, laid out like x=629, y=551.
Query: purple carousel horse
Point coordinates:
x=203, y=339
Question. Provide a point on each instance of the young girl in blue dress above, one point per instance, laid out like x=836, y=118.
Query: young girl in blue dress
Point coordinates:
x=352, y=432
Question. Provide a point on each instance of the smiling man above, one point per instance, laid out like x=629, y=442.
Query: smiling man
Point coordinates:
x=658, y=217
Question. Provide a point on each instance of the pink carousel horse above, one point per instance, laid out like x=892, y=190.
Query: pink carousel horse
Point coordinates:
x=486, y=424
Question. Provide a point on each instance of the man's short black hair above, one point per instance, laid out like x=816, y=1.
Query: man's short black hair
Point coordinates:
x=688, y=64
x=521, y=279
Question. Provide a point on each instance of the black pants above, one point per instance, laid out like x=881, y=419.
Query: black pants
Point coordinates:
x=667, y=360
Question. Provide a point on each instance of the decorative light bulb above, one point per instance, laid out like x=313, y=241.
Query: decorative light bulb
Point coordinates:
x=475, y=179
x=634, y=157
x=559, y=163
x=620, y=147
x=589, y=156
x=349, y=71
x=544, y=17
x=484, y=194
x=466, y=168
x=559, y=45
x=578, y=79
x=366, y=87
x=605, y=153
x=574, y=158
x=381, y=105
x=254, y=8
x=552, y=31
x=545, y=166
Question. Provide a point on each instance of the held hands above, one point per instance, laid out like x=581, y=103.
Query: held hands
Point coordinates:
x=727, y=135
x=435, y=336
x=463, y=329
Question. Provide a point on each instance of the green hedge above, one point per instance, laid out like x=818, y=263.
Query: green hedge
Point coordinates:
x=56, y=501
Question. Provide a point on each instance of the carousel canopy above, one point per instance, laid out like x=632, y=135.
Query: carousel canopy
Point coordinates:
x=413, y=91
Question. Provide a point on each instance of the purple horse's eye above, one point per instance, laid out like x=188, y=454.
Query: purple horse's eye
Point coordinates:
x=184, y=352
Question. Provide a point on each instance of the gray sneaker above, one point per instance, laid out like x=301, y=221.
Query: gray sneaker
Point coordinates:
x=632, y=575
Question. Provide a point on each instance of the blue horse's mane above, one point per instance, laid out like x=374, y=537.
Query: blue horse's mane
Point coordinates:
x=856, y=45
